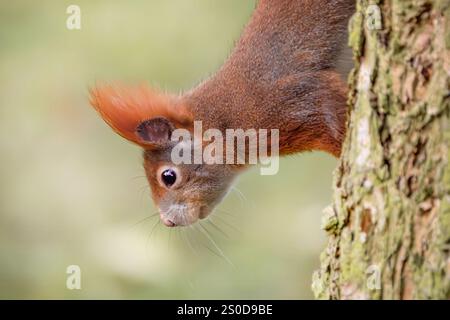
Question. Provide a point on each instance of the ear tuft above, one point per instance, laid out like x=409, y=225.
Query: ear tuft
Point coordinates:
x=140, y=114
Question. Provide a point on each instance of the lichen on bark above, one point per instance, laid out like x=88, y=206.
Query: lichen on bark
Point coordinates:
x=389, y=237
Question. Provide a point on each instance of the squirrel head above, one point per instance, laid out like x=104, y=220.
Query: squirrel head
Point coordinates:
x=183, y=193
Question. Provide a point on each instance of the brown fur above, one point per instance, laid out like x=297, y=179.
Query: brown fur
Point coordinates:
x=282, y=75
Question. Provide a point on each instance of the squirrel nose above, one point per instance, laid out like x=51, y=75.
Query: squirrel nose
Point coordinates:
x=167, y=222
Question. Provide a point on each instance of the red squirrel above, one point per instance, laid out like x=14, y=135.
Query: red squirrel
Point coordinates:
x=282, y=74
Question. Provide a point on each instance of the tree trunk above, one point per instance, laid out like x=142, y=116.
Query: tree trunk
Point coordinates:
x=389, y=224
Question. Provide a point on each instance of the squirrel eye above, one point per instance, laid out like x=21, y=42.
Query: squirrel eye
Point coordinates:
x=169, y=177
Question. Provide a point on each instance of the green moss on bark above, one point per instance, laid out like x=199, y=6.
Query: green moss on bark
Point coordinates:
x=389, y=231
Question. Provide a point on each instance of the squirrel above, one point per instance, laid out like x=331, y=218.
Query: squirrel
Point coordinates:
x=282, y=73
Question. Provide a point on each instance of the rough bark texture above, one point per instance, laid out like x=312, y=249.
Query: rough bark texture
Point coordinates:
x=389, y=224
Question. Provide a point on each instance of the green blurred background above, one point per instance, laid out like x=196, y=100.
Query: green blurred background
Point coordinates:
x=72, y=192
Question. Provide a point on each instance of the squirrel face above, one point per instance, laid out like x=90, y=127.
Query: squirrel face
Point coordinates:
x=183, y=193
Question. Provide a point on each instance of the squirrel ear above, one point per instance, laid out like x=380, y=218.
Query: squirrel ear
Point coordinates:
x=140, y=114
x=156, y=131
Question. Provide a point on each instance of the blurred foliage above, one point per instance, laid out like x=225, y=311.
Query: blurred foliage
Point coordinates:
x=72, y=192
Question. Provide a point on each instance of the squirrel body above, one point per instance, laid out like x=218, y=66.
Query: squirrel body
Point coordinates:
x=282, y=74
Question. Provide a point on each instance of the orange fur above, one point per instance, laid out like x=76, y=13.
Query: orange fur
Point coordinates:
x=124, y=108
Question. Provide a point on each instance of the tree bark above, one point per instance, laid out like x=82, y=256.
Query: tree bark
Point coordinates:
x=389, y=224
